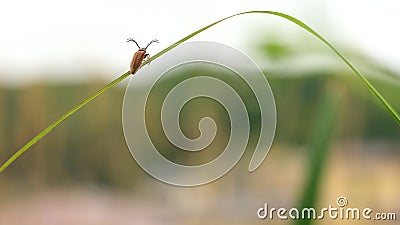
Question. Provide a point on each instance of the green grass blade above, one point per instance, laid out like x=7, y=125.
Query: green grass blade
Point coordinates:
x=318, y=152
x=389, y=108
x=386, y=104
x=59, y=120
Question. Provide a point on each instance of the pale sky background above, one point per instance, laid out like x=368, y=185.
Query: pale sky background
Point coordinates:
x=73, y=39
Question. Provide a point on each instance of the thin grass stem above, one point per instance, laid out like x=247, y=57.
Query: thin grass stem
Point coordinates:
x=47, y=130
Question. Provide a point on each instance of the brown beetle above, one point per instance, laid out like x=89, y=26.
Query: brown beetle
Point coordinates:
x=139, y=56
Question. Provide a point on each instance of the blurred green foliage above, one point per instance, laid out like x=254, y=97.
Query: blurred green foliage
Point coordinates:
x=90, y=147
x=87, y=148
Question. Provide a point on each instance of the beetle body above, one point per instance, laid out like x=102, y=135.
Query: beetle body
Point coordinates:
x=137, y=60
x=139, y=56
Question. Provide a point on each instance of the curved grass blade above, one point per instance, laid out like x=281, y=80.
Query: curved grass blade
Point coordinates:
x=388, y=107
x=59, y=120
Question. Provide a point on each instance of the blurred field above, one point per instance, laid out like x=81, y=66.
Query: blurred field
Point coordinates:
x=83, y=173
x=365, y=179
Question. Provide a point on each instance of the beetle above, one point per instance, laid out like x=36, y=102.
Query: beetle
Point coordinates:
x=139, y=56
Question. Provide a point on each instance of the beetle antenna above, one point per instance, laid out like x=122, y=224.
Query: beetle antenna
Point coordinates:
x=155, y=40
x=131, y=39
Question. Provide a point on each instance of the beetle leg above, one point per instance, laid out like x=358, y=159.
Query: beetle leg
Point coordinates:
x=146, y=57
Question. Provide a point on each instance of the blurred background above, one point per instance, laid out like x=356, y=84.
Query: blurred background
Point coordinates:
x=333, y=138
